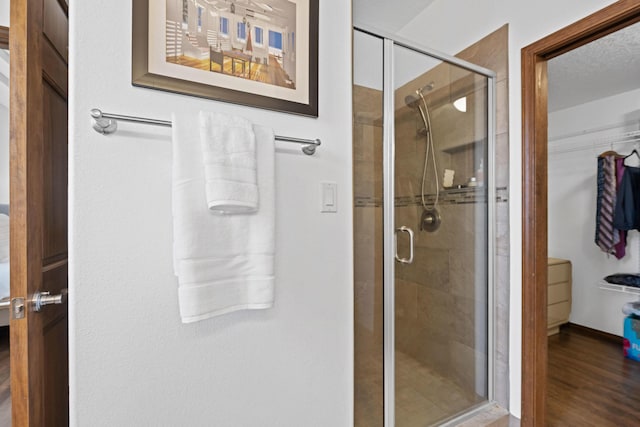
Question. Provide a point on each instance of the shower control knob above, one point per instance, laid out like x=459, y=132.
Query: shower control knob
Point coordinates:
x=430, y=220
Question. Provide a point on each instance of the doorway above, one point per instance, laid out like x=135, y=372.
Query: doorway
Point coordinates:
x=535, y=186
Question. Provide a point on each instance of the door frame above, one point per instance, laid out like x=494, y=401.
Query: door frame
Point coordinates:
x=534, y=191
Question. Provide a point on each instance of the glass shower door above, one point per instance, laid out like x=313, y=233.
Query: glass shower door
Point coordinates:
x=440, y=289
x=423, y=141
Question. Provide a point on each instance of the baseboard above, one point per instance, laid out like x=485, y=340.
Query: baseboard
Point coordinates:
x=584, y=330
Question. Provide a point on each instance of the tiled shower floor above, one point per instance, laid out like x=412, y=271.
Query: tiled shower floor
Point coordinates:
x=423, y=396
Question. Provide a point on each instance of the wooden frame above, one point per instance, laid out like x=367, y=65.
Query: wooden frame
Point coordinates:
x=277, y=78
x=534, y=192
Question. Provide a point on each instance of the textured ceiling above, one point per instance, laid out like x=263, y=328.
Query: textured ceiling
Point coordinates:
x=605, y=67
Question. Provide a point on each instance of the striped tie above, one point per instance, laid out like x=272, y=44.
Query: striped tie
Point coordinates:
x=608, y=203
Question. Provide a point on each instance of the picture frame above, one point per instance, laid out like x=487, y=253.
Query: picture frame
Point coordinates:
x=258, y=53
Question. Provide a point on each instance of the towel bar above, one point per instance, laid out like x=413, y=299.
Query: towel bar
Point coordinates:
x=106, y=123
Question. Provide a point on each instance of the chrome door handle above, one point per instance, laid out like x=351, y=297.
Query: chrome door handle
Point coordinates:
x=409, y=231
x=40, y=299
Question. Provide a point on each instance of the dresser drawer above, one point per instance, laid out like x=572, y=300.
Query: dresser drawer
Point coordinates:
x=559, y=292
x=559, y=273
x=558, y=313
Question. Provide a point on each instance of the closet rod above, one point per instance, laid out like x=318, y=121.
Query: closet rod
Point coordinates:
x=106, y=123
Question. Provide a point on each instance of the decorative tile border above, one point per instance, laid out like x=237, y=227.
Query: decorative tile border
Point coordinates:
x=447, y=197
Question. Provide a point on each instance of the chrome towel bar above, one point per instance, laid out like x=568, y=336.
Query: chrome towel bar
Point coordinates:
x=106, y=123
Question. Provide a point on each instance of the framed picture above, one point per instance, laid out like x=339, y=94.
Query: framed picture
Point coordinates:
x=260, y=53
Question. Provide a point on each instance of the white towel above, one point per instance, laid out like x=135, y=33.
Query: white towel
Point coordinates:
x=229, y=156
x=224, y=263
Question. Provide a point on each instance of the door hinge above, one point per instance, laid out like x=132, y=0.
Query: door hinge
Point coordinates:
x=17, y=308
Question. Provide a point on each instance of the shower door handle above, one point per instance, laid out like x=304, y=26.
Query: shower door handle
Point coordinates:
x=409, y=231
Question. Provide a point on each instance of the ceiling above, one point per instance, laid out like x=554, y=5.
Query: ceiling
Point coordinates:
x=389, y=16
x=605, y=67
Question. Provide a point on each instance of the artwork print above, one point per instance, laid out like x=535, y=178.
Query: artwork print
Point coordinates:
x=254, y=52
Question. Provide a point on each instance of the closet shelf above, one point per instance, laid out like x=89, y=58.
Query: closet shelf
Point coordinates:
x=602, y=284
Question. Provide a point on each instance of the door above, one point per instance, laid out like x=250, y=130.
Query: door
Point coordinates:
x=424, y=195
x=38, y=38
x=440, y=209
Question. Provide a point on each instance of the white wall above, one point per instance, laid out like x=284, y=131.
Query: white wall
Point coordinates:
x=132, y=362
x=4, y=154
x=367, y=60
x=4, y=13
x=572, y=205
x=4, y=118
x=452, y=25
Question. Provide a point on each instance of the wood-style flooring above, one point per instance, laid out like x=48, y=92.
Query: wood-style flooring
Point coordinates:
x=590, y=382
x=5, y=378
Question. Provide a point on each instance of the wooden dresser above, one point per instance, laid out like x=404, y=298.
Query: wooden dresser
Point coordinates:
x=558, y=294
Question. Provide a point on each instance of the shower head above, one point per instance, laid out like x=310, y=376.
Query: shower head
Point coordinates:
x=413, y=100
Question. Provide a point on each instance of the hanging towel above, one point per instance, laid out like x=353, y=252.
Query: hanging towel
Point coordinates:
x=229, y=156
x=224, y=263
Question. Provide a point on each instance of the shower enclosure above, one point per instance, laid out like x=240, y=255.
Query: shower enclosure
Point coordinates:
x=424, y=201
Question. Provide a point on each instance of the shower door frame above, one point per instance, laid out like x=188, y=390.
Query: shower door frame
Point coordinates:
x=390, y=41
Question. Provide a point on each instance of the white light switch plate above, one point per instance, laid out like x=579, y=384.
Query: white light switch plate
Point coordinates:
x=328, y=197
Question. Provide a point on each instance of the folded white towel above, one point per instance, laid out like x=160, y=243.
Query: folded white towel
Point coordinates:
x=229, y=156
x=224, y=263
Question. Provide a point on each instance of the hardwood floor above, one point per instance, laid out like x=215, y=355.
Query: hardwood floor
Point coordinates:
x=590, y=382
x=5, y=378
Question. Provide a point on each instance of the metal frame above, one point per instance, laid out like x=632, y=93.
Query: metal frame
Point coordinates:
x=388, y=219
x=389, y=42
x=106, y=123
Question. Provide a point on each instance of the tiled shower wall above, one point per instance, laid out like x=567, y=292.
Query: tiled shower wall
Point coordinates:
x=435, y=299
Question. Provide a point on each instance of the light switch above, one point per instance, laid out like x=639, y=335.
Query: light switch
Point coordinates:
x=329, y=197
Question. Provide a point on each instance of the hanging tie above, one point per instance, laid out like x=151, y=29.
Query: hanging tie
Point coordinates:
x=606, y=234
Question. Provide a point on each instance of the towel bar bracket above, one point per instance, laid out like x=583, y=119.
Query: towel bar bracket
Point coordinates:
x=107, y=123
x=102, y=124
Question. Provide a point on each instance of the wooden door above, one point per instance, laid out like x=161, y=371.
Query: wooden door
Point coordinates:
x=38, y=38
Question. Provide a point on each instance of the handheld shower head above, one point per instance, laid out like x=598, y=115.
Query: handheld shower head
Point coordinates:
x=413, y=99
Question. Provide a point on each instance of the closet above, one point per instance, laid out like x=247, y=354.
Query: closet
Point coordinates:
x=574, y=146
x=593, y=146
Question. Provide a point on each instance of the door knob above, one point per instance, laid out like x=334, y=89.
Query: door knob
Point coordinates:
x=40, y=299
